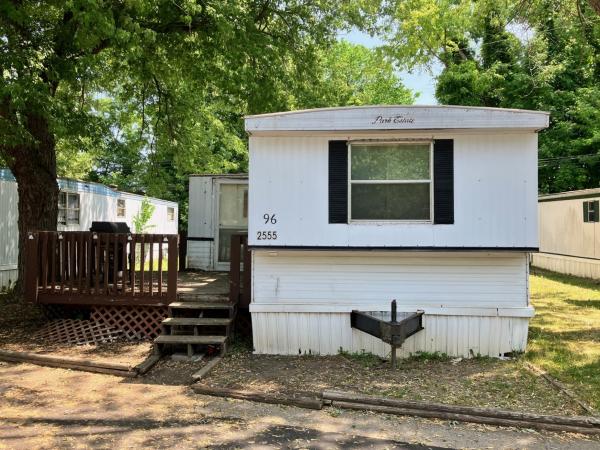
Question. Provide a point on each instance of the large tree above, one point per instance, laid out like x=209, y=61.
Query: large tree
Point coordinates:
x=538, y=54
x=114, y=151
x=58, y=58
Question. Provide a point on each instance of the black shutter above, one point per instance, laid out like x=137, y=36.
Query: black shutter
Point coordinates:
x=596, y=212
x=586, y=210
x=338, y=182
x=443, y=181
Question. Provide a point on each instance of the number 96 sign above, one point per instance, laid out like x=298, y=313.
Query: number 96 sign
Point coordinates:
x=267, y=235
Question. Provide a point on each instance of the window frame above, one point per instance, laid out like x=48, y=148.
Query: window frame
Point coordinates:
x=124, y=208
x=592, y=210
x=172, y=218
x=398, y=142
x=66, y=209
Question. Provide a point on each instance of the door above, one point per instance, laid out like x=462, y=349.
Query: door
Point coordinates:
x=233, y=218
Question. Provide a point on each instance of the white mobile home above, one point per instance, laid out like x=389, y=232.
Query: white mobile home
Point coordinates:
x=218, y=207
x=80, y=204
x=350, y=208
x=570, y=233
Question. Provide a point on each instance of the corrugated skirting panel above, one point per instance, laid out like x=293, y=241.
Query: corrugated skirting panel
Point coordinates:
x=327, y=333
x=7, y=278
x=571, y=265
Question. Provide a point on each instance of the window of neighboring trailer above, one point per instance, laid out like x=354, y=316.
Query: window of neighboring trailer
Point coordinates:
x=390, y=182
x=591, y=211
x=170, y=213
x=120, y=208
x=68, y=208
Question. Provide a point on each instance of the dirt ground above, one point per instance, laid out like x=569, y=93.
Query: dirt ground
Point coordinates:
x=19, y=323
x=475, y=382
x=56, y=408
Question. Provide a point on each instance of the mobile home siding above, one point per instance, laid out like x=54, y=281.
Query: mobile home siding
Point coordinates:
x=567, y=243
x=9, y=251
x=328, y=333
x=495, y=192
x=474, y=303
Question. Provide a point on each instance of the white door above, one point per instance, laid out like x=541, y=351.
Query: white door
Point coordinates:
x=233, y=218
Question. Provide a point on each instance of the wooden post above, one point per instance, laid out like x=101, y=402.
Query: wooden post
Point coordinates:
x=246, y=288
x=173, y=252
x=234, y=269
x=32, y=269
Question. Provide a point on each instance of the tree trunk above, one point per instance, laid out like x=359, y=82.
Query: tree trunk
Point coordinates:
x=34, y=168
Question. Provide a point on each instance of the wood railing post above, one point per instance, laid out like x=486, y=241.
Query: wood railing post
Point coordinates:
x=246, y=285
x=31, y=268
x=173, y=253
x=234, y=268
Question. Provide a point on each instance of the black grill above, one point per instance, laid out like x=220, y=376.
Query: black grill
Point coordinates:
x=110, y=227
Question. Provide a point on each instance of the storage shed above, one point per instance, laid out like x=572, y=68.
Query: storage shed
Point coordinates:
x=218, y=208
x=570, y=233
x=434, y=206
x=80, y=204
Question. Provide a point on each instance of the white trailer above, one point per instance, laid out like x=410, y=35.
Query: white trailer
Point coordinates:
x=570, y=233
x=218, y=208
x=435, y=207
x=80, y=204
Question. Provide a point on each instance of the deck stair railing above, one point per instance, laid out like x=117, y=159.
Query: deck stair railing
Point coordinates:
x=81, y=267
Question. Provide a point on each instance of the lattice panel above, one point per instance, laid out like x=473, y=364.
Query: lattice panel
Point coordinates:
x=136, y=322
x=72, y=331
x=57, y=312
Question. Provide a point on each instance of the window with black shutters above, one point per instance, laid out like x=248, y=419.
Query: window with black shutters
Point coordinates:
x=390, y=181
x=590, y=211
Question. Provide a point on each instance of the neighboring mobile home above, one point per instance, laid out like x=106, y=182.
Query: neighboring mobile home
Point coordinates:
x=218, y=208
x=570, y=233
x=80, y=204
x=350, y=208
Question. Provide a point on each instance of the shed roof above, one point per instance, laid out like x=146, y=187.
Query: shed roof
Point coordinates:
x=398, y=118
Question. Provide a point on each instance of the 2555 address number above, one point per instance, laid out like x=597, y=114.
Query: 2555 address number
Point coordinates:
x=266, y=235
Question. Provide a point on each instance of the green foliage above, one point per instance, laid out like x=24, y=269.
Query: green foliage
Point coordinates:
x=143, y=216
x=364, y=358
x=543, y=55
x=429, y=356
x=351, y=74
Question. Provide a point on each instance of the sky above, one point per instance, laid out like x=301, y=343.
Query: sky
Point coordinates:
x=421, y=81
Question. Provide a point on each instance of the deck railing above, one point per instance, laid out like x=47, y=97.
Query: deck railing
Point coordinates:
x=80, y=267
x=239, y=271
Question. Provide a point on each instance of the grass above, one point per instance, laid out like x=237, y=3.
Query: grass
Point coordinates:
x=365, y=359
x=564, y=335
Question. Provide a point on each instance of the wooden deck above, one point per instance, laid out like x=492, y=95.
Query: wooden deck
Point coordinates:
x=86, y=268
x=191, y=285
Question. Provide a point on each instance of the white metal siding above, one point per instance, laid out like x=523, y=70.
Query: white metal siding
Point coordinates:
x=9, y=233
x=417, y=117
x=571, y=265
x=364, y=280
x=200, y=255
x=474, y=303
x=563, y=231
x=495, y=194
x=328, y=333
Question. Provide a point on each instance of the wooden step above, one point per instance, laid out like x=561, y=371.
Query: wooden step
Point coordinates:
x=200, y=305
x=203, y=297
x=192, y=321
x=182, y=339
